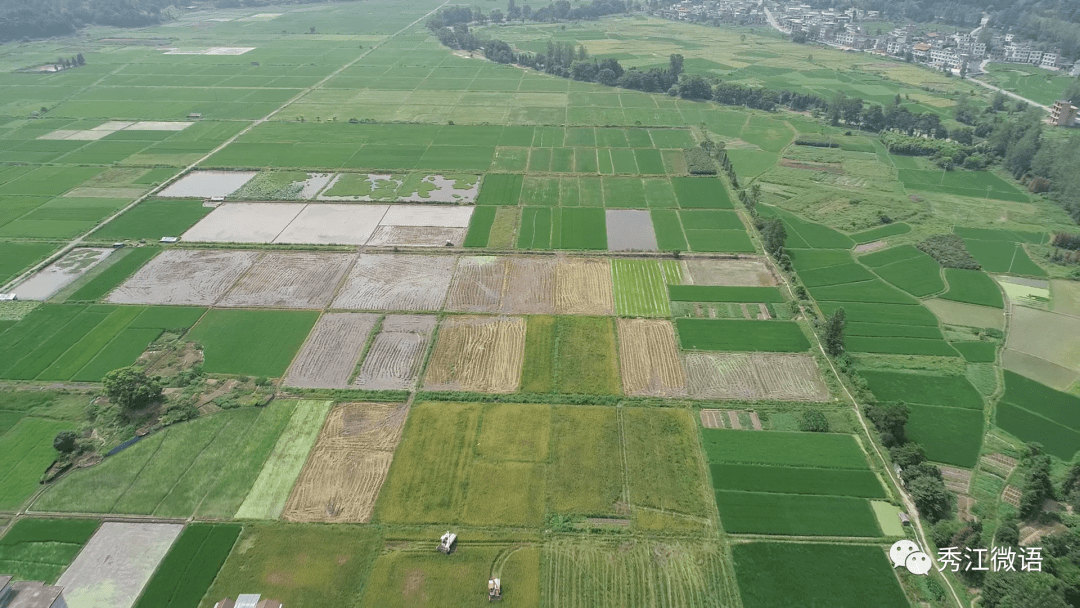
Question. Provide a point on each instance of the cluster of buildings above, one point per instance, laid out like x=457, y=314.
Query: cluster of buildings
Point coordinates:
x=841, y=28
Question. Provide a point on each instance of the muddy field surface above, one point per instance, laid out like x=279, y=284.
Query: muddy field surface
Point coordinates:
x=397, y=353
x=396, y=282
x=417, y=236
x=649, y=358
x=735, y=273
x=290, y=280
x=478, y=284
x=754, y=376
x=530, y=287
x=61, y=273
x=332, y=225
x=482, y=354
x=244, y=223
x=206, y=184
x=630, y=230
x=180, y=276
x=331, y=352
x=345, y=470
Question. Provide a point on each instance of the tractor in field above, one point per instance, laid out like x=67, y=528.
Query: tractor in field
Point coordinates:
x=446, y=542
x=494, y=590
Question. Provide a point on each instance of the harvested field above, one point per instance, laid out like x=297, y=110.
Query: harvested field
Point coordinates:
x=1046, y=335
x=583, y=287
x=396, y=282
x=483, y=354
x=397, y=353
x=181, y=276
x=348, y=465
x=290, y=280
x=530, y=286
x=1051, y=374
x=113, y=567
x=712, y=419
x=956, y=480
x=478, y=284
x=417, y=236
x=959, y=313
x=754, y=376
x=735, y=273
x=649, y=358
x=331, y=351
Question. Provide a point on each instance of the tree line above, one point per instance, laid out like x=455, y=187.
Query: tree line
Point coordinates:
x=46, y=18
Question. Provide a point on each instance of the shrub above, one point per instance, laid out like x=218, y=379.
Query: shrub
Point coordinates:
x=813, y=421
x=1066, y=241
x=699, y=162
x=65, y=442
x=949, y=251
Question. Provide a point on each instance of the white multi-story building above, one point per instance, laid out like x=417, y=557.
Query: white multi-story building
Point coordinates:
x=1049, y=60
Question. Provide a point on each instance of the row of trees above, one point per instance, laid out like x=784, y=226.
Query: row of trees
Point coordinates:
x=557, y=11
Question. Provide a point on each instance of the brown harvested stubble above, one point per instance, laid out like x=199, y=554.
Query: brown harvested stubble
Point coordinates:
x=478, y=284
x=348, y=465
x=294, y=279
x=753, y=376
x=650, y=359
x=583, y=287
x=530, y=286
x=397, y=353
x=330, y=353
x=182, y=276
x=482, y=354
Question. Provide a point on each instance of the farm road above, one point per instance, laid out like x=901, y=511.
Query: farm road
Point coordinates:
x=318, y=85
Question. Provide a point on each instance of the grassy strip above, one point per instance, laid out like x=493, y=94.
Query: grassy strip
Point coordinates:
x=538, y=374
x=874, y=234
x=951, y=391
x=480, y=226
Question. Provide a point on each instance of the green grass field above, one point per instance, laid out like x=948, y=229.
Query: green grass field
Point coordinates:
x=27, y=452
x=154, y=219
x=1035, y=412
x=840, y=576
x=972, y=287
x=977, y=352
x=41, y=549
x=948, y=434
x=16, y=257
x=741, y=335
x=252, y=342
x=326, y=565
x=270, y=490
x=796, y=480
x=951, y=391
x=701, y=193
x=190, y=566
x=640, y=287
x=795, y=514
x=821, y=450
x=205, y=466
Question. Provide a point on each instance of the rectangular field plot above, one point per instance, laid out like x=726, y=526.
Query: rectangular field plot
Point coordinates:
x=641, y=286
x=839, y=576
x=397, y=353
x=630, y=230
x=154, y=219
x=951, y=391
x=26, y=456
x=570, y=355
x=116, y=564
x=649, y=358
x=327, y=564
x=949, y=435
x=976, y=184
x=729, y=273
x=179, y=276
x=207, y=184
x=754, y=376
x=205, y=466
x=500, y=189
x=190, y=566
x=477, y=354
x=522, y=285
x=396, y=282
x=1034, y=412
x=741, y=335
x=41, y=549
x=289, y=280
x=830, y=451
x=346, y=469
x=251, y=342
x=797, y=515
x=54, y=277
x=331, y=351
x=1049, y=336
x=116, y=270
x=796, y=480
x=694, y=574
x=16, y=257
x=270, y=491
x=701, y=193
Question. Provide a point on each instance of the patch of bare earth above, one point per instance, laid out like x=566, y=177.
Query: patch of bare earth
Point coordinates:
x=181, y=276
x=332, y=351
x=397, y=353
x=346, y=469
x=396, y=282
x=868, y=247
x=290, y=280
x=746, y=272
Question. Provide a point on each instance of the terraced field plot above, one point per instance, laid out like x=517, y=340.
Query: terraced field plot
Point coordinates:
x=345, y=470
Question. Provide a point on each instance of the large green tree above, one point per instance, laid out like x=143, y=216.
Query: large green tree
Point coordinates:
x=131, y=389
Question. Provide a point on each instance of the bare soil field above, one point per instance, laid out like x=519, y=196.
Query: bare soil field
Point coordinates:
x=290, y=280
x=332, y=351
x=396, y=282
x=112, y=569
x=530, y=287
x=397, y=354
x=61, y=273
x=649, y=358
x=244, y=223
x=347, y=467
x=583, y=287
x=734, y=273
x=416, y=236
x=478, y=284
x=482, y=354
x=754, y=376
x=331, y=224
x=181, y=276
